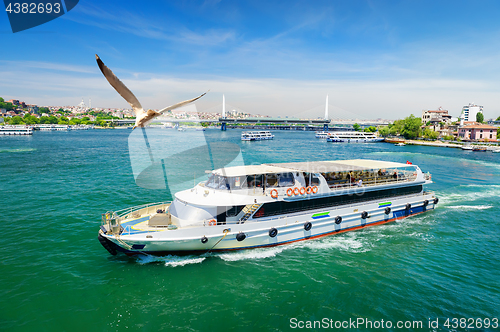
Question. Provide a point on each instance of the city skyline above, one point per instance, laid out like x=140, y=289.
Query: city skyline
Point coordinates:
x=373, y=59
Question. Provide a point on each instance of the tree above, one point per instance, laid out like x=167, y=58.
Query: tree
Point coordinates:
x=498, y=119
x=370, y=129
x=448, y=137
x=30, y=119
x=411, y=127
x=16, y=120
x=479, y=117
x=52, y=120
x=356, y=127
x=430, y=134
x=44, y=110
x=383, y=131
x=63, y=120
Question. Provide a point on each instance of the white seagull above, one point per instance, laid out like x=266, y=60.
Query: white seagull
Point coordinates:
x=142, y=118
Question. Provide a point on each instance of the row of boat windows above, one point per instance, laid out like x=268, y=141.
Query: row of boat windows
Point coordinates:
x=287, y=179
x=284, y=207
x=250, y=181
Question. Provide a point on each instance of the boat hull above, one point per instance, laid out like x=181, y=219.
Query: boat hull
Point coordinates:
x=258, y=232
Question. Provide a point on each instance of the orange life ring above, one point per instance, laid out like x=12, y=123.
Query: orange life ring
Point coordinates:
x=314, y=189
x=212, y=222
x=295, y=191
x=309, y=190
x=274, y=193
x=289, y=191
x=302, y=190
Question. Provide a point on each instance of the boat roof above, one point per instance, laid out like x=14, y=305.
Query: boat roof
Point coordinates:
x=309, y=166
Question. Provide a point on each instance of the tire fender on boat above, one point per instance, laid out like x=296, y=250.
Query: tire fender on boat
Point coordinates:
x=426, y=202
x=240, y=237
x=338, y=220
x=387, y=210
x=204, y=240
x=308, y=226
x=407, y=206
x=364, y=215
x=436, y=200
x=273, y=232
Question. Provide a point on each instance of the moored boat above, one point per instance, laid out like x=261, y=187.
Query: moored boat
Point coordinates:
x=270, y=204
x=16, y=130
x=353, y=137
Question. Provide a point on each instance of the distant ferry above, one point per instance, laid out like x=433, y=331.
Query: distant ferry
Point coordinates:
x=353, y=137
x=267, y=205
x=322, y=134
x=256, y=135
x=16, y=130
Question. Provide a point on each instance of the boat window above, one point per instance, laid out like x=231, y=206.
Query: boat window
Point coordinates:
x=271, y=180
x=315, y=180
x=254, y=180
x=211, y=181
x=285, y=180
x=234, y=210
x=238, y=182
x=223, y=184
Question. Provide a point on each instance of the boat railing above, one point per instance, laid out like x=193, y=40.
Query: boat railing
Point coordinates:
x=139, y=210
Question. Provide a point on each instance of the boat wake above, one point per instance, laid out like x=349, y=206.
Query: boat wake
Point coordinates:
x=170, y=260
x=19, y=150
x=470, y=207
x=490, y=192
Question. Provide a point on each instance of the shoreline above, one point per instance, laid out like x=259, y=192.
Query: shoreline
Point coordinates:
x=440, y=144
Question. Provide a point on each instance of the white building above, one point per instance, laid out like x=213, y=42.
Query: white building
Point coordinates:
x=436, y=116
x=470, y=111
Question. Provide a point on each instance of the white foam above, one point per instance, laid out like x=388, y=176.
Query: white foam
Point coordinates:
x=18, y=150
x=258, y=253
x=345, y=243
x=470, y=207
x=470, y=196
x=170, y=260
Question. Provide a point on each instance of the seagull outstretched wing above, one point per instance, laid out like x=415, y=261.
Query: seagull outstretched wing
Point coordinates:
x=182, y=103
x=120, y=87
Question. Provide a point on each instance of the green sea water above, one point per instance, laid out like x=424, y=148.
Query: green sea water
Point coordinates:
x=55, y=275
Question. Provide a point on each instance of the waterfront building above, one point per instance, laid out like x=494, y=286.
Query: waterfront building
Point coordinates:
x=470, y=111
x=436, y=116
x=478, y=132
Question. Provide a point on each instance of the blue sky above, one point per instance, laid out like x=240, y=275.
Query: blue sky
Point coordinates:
x=373, y=58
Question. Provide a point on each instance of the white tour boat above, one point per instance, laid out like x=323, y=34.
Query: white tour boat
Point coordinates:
x=256, y=135
x=322, y=134
x=271, y=204
x=16, y=130
x=353, y=137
